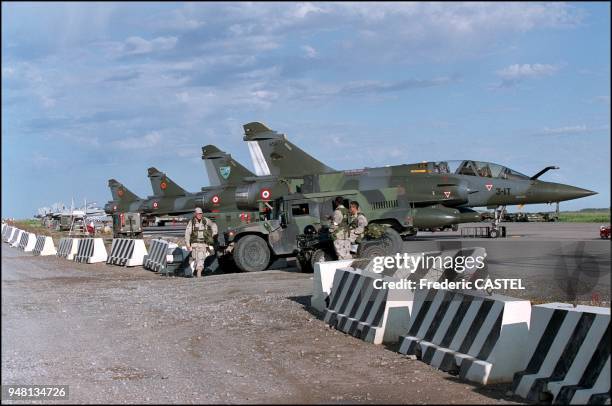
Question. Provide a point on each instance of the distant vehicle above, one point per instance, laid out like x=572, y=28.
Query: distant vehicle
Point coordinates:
x=127, y=225
x=604, y=232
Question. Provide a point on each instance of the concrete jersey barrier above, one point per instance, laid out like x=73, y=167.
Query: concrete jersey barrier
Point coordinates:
x=482, y=338
x=91, y=251
x=568, y=355
x=16, y=238
x=68, y=248
x=165, y=257
x=323, y=278
x=44, y=246
x=358, y=308
x=9, y=234
x=324, y=271
x=127, y=252
x=28, y=241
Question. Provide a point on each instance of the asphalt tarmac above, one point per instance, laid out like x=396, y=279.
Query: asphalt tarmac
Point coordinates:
x=564, y=262
x=126, y=335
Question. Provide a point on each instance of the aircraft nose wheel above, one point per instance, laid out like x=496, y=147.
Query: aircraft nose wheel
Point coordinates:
x=494, y=233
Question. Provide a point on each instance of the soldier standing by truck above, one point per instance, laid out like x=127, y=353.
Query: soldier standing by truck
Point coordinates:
x=339, y=229
x=199, y=239
x=357, y=223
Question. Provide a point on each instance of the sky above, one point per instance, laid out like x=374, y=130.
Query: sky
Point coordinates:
x=93, y=91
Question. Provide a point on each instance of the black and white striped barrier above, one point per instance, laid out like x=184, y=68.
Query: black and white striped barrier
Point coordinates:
x=480, y=337
x=164, y=257
x=127, y=252
x=23, y=240
x=28, y=241
x=16, y=238
x=425, y=265
x=68, y=248
x=91, y=251
x=44, y=246
x=9, y=234
x=568, y=355
x=323, y=279
x=359, y=305
x=6, y=232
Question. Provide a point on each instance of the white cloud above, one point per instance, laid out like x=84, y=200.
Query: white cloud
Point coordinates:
x=147, y=141
x=42, y=161
x=139, y=46
x=575, y=129
x=302, y=10
x=8, y=72
x=572, y=130
x=518, y=72
x=178, y=20
x=309, y=51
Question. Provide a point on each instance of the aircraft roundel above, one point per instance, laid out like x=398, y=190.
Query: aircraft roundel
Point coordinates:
x=447, y=194
x=265, y=194
x=120, y=192
x=215, y=199
x=155, y=205
x=163, y=185
x=489, y=186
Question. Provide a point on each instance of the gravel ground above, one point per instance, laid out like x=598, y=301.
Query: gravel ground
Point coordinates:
x=118, y=335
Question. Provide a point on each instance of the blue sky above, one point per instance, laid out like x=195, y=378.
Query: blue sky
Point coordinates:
x=92, y=91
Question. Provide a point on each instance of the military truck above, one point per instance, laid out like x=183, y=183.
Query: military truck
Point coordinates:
x=127, y=225
x=298, y=226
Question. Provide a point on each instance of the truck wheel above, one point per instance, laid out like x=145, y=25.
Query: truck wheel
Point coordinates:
x=494, y=233
x=320, y=255
x=251, y=253
x=392, y=241
x=371, y=249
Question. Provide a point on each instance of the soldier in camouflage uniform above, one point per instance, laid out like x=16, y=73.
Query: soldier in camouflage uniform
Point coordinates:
x=199, y=238
x=340, y=230
x=357, y=223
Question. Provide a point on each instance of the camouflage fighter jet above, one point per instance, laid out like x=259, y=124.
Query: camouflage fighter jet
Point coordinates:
x=123, y=199
x=439, y=194
x=224, y=174
x=217, y=201
x=273, y=154
x=434, y=194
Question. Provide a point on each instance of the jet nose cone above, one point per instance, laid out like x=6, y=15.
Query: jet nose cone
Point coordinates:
x=559, y=192
x=584, y=192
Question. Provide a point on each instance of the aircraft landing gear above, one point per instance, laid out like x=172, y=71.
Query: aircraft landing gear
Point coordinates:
x=500, y=211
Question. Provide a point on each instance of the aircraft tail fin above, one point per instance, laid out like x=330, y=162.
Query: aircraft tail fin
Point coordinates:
x=273, y=154
x=222, y=169
x=120, y=192
x=162, y=185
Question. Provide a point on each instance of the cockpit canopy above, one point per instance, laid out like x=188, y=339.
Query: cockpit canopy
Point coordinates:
x=472, y=168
